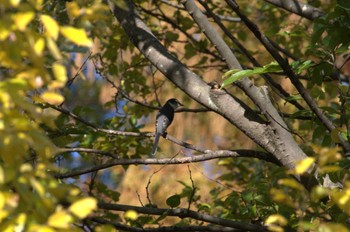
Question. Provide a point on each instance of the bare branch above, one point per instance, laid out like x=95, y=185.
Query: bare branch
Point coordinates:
x=209, y=155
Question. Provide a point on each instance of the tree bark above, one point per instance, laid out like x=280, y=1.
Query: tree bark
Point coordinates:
x=271, y=134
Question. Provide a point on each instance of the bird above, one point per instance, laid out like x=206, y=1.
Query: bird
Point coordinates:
x=164, y=118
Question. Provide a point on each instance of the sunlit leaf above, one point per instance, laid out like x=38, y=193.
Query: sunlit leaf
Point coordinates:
x=131, y=214
x=330, y=169
x=291, y=183
x=22, y=19
x=73, y=9
x=236, y=75
x=39, y=46
x=52, y=46
x=83, y=207
x=276, y=219
x=51, y=26
x=77, y=36
x=61, y=219
x=342, y=199
x=15, y=3
x=318, y=193
x=41, y=228
x=304, y=165
x=52, y=98
x=4, y=30
x=332, y=227
x=281, y=197
x=60, y=73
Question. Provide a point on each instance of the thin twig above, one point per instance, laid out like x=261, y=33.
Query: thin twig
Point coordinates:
x=193, y=189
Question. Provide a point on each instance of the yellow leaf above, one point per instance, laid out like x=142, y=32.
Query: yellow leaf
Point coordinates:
x=38, y=4
x=77, y=36
x=330, y=169
x=318, y=193
x=60, y=219
x=332, y=227
x=23, y=19
x=2, y=201
x=38, y=187
x=4, y=30
x=60, y=72
x=39, y=46
x=276, y=219
x=342, y=199
x=51, y=26
x=55, y=52
x=304, y=165
x=20, y=222
x=291, y=183
x=83, y=207
x=276, y=222
x=52, y=98
x=72, y=9
x=280, y=197
x=35, y=228
x=131, y=214
x=15, y=3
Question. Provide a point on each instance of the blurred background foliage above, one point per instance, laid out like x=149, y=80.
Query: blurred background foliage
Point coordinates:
x=73, y=55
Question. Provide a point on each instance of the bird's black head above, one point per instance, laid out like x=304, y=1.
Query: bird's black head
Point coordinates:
x=174, y=103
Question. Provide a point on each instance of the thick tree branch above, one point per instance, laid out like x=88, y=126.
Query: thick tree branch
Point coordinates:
x=208, y=155
x=123, y=227
x=288, y=71
x=285, y=148
x=222, y=17
x=217, y=100
x=278, y=89
x=183, y=213
x=299, y=8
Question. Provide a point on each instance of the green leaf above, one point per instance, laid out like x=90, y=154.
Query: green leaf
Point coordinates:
x=238, y=75
x=174, y=201
x=298, y=66
x=345, y=4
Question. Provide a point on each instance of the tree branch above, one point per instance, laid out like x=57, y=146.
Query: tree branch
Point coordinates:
x=299, y=8
x=278, y=89
x=123, y=227
x=288, y=71
x=208, y=155
x=217, y=100
x=183, y=213
x=284, y=146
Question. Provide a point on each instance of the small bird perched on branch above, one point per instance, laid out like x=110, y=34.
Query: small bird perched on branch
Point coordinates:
x=164, y=118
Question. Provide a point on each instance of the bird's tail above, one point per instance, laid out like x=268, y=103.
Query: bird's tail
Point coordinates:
x=155, y=144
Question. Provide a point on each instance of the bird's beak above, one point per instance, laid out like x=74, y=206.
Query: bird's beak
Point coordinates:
x=180, y=103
